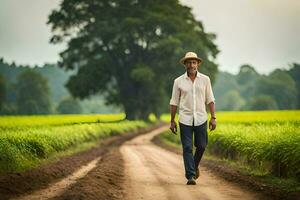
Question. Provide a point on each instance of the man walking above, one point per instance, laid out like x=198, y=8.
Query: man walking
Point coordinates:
x=192, y=91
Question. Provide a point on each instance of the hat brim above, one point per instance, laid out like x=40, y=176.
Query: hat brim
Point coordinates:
x=182, y=60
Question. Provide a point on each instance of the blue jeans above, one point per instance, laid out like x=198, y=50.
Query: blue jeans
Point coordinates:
x=191, y=162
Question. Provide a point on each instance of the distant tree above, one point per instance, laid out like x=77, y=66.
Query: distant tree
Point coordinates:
x=57, y=78
x=69, y=106
x=9, y=108
x=247, y=78
x=32, y=93
x=2, y=91
x=232, y=101
x=246, y=75
x=96, y=104
x=262, y=102
x=281, y=87
x=129, y=49
x=294, y=72
x=223, y=84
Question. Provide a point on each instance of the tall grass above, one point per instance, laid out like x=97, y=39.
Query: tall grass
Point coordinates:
x=35, y=139
x=43, y=120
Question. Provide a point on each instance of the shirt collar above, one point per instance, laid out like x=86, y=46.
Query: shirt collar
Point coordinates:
x=186, y=76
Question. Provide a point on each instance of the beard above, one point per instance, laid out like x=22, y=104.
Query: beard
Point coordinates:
x=192, y=70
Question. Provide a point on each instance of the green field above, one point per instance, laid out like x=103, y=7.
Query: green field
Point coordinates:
x=266, y=141
x=43, y=120
x=26, y=142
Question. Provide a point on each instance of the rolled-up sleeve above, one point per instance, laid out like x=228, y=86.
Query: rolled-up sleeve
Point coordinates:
x=175, y=94
x=209, y=93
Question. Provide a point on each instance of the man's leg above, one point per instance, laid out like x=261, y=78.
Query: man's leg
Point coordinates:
x=186, y=136
x=201, y=140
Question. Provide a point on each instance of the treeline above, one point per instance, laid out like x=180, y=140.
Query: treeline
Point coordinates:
x=41, y=90
x=249, y=90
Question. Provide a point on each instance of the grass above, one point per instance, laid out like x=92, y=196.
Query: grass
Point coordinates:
x=27, y=145
x=44, y=120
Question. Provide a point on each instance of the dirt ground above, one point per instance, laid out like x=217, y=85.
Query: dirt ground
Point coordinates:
x=130, y=166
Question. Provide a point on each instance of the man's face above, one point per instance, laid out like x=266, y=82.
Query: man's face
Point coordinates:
x=191, y=66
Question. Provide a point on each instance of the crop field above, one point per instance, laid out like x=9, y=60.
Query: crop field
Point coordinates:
x=43, y=120
x=268, y=141
x=27, y=141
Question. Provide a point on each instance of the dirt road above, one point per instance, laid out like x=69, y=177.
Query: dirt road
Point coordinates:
x=154, y=173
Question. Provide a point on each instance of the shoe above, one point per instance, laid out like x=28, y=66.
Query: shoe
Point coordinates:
x=197, y=173
x=191, y=181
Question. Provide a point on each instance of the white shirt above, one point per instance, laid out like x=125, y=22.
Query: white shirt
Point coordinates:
x=192, y=98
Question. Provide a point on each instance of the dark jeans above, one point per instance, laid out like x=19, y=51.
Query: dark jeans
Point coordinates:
x=191, y=162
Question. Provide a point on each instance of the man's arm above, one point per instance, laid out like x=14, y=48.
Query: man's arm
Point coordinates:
x=173, y=106
x=173, y=126
x=212, y=121
x=212, y=109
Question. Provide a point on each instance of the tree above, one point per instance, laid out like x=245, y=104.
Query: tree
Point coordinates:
x=2, y=91
x=32, y=93
x=280, y=86
x=294, y=72
x=128, y=49
x=224, y=83
x=247, y=78
x=69, y=106
x=262, y=102
x=247, y=74
x=232, y=101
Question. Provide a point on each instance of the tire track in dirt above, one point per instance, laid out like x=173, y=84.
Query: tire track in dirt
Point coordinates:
x=58, y=188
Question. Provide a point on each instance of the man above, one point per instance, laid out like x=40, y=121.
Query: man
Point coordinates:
x=191, y=91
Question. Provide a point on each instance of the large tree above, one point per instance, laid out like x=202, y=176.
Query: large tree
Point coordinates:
x=129, y=49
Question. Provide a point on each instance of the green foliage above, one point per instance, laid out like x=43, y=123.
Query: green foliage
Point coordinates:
x=33, y=93
x=262, y=102
x=282, y=88
x=120, y=47
x=2, y=91
x=142, y=74
x=247, y=74
x=232, y=101
x=294, y=72
x=27, y=145
x=69, y=106
x=57, y=78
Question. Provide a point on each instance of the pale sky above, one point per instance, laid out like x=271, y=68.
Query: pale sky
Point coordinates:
x=262, y=33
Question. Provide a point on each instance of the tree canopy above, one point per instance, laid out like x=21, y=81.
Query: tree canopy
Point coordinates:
x=129, y=49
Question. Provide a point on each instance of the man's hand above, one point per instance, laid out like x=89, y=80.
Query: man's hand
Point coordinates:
x=173, y=127
x=212, y=124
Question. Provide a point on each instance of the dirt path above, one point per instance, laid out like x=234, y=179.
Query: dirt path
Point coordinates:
x=155, y=173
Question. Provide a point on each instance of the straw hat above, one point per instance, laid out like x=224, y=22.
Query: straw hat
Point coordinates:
x=190, y=55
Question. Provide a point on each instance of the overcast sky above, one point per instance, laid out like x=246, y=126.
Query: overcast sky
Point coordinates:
x=262, y=33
